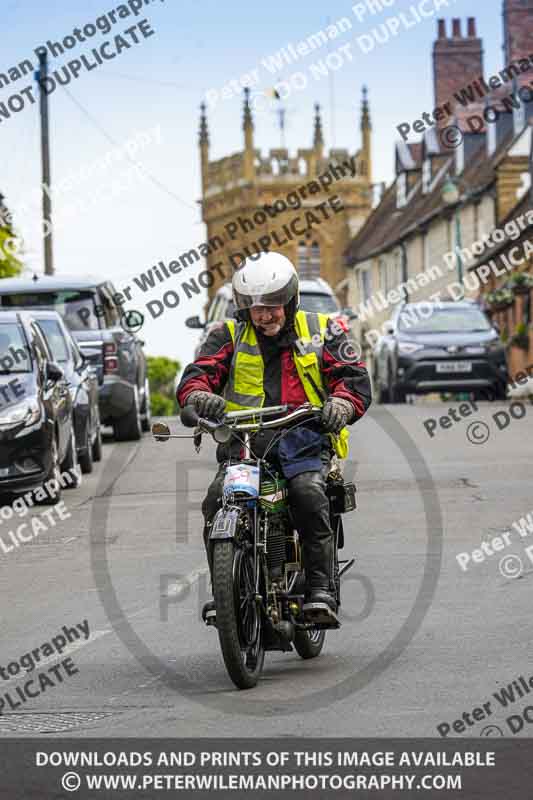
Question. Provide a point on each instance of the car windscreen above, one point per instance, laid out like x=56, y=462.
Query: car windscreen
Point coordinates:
x=318, y=303
x=14, y=352
x=55, y=338
x=77, y=307
x=443, y=320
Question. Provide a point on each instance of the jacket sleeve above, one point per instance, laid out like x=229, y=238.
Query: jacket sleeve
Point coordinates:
x=209, y=372
x=344, y=374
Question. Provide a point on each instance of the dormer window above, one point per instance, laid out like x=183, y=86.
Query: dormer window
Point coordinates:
x=401, y=190
x=426, y=175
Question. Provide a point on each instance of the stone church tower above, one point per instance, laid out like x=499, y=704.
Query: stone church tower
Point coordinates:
x=247, y=197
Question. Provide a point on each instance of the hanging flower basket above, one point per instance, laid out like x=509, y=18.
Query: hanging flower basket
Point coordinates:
x=520, y=337
x=499, y=300
x=521, y=282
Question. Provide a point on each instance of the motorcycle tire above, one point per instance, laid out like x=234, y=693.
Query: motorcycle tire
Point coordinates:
x=239, y=622
x=309, y=643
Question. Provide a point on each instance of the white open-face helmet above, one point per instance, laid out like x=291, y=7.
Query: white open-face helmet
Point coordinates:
x=268, y=279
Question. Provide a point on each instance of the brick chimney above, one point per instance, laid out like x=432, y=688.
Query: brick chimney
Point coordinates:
x=517, y=29
x=457, y=60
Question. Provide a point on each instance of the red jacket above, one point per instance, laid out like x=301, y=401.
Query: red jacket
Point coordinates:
x=342, y=377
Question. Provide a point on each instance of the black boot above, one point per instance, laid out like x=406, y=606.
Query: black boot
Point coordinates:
x=310, y=507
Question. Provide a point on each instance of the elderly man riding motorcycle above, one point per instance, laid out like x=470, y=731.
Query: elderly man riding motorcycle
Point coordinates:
x=276, y=354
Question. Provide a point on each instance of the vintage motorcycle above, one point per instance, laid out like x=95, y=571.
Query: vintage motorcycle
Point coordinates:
x=257, y=573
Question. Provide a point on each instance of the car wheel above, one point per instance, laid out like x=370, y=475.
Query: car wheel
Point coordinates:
x=146, y=411
x=128, y=428
x=382, y=394
x=46, y=495
x=97, y=444
x=86, y=459
x=395, y=395
x=71, y=463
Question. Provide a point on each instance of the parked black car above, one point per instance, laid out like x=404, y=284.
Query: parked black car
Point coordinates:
x=83, y=385
x=92, y=312
x=36, y=432
x=439, y=347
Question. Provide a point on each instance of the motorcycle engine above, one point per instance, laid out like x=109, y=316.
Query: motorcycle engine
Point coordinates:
x=276, y=544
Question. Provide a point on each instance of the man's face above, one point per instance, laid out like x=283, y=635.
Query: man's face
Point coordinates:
x=269, y=319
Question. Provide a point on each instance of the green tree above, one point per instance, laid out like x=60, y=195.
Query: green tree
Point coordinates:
x=161, y=374
x=10, y=266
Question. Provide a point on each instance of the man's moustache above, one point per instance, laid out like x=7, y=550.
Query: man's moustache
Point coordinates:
x=265, y=327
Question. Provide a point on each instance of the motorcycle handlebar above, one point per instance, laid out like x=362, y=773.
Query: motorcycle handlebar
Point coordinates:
x=236, y=420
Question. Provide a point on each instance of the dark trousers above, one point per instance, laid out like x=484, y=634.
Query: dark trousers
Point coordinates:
x=310, y=510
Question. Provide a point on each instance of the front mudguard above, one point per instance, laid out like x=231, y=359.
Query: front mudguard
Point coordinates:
x=225, y=524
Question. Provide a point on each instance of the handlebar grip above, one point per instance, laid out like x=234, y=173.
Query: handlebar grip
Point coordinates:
x=189, y=417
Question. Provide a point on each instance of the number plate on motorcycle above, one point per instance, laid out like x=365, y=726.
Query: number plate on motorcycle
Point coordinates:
x=225, y=524
x=242, y=478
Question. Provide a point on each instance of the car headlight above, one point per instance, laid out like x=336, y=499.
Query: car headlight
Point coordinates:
x=28, y=412
x=409, y=347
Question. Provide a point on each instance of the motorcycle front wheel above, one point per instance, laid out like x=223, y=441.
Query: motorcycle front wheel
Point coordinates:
x=239, y=621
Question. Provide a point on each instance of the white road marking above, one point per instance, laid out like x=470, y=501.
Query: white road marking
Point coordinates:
x=185, y=584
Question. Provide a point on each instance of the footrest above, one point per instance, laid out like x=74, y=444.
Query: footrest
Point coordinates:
x=320, y=614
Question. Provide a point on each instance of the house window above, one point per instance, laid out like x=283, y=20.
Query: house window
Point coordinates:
x=449, y=233
x=401, y=190
x=398, y=272
x=476, y=221
x=426, y=175
x=425, y=251
x=365, y=289
x=383, y=276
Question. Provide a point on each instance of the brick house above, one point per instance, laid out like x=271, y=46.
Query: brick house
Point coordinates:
x=416, y=243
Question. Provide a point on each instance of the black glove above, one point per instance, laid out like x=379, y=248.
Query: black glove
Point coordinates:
x=336, y=413
x=207, y=404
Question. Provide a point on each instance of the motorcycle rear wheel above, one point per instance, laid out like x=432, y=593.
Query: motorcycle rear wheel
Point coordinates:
x=239, y=622
x=309, y=643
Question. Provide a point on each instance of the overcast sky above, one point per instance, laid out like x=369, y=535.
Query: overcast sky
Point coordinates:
x=157, y=86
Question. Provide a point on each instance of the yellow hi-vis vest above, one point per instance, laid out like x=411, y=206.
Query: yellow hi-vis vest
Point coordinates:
x=244, y=388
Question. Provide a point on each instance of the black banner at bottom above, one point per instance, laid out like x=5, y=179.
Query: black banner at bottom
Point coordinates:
x=270, y=768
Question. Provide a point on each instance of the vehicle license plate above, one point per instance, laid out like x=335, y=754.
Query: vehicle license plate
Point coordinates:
x=455, y=366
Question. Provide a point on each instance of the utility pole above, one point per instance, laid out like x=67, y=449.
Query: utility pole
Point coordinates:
x=45, y=160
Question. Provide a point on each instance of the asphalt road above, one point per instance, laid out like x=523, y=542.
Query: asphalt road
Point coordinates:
x=422, y=640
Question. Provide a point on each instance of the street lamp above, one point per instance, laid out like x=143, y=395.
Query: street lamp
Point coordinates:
x=451, y=196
